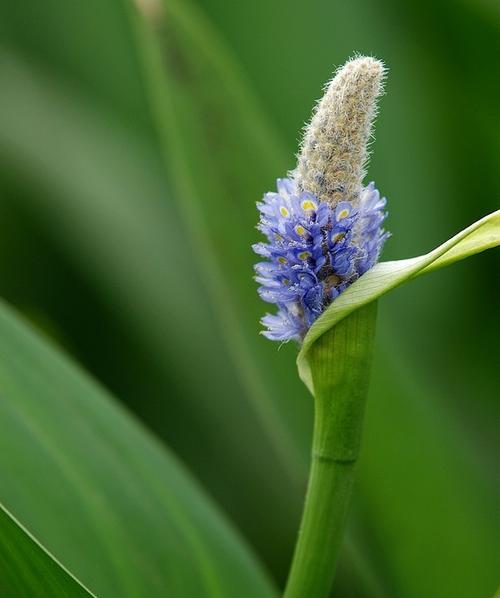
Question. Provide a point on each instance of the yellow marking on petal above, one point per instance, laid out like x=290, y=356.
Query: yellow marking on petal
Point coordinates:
x=308, y=205
x=284, y=212
x=300, y=230
x=338, y=237
x=304, y=255
x=282, y=260
x=343, y=214
x=286, y=281
x=278, y=237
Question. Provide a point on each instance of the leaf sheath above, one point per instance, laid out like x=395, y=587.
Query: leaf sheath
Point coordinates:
x=340, y=364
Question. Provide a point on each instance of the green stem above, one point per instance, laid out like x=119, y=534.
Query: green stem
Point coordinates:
x=321, y=529
x=340, y=363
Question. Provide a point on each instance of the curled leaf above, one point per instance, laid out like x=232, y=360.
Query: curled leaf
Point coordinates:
x=483, y=234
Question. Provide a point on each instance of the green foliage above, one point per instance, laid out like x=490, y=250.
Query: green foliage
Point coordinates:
x=113, y=247
x=105, y=496
x=27, y=569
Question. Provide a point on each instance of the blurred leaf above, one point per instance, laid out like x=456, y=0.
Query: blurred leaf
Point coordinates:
x=27, y=569
x=87, y=45
x=103, y=496
x=428, y=507
x=107, y=204
x=385, y=276
x=205, y=116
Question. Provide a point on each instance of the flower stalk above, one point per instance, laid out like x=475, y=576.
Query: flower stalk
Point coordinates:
x=324, y=231
x=340, y=365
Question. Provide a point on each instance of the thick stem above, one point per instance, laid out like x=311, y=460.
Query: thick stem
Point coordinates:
x=340, y=363
x=321, y=529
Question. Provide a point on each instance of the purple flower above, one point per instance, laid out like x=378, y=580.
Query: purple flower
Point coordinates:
x=313, y=252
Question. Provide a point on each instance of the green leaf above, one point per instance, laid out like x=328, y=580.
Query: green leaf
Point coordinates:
x=27, y=569
x=483, y=234
x=94, y=184
x=101, y=494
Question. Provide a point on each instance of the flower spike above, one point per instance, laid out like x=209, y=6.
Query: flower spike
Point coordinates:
x=323, y=228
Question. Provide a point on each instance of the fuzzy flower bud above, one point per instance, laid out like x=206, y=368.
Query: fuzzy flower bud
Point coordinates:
x=334, y=150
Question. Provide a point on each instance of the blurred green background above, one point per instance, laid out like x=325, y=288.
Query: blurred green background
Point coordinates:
x=126, y=218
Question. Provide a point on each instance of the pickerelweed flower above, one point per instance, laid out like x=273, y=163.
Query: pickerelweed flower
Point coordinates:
x=323, y=227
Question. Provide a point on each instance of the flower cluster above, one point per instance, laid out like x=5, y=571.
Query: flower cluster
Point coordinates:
x=313, y=252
